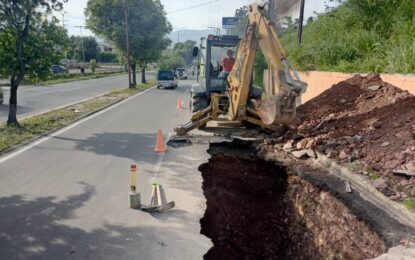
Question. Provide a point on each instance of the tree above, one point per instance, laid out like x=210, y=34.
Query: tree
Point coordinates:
x=29, y=43
x=148, y=28
x=185, y=50
x=171, y=61
x=83, y=46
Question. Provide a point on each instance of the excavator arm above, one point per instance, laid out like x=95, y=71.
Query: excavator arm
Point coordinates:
x=283, y=91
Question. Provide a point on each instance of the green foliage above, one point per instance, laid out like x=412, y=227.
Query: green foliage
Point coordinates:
x=260, y=65
x=88, y=44
x=107, y=57
x=358, y=36
x=92, y=65
x=171, y=61
x=29, y=43
x=43, y=46
x=148, y=26
x=374, y=175
x=409, y=203
x=185, y=51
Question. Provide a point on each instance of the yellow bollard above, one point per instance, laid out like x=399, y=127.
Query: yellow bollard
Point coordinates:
x=134, y=196
x=133, y=178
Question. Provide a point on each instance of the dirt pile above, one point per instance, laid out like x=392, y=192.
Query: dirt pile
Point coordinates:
x=256, y=210
x=367, y=124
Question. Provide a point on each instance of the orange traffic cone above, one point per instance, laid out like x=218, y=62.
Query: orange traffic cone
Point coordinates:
x=160, y=145
x=179, y=104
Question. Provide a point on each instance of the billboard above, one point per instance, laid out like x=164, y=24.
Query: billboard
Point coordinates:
x=229, y=22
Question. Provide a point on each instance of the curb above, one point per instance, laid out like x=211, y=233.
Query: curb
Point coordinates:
x=366, y=189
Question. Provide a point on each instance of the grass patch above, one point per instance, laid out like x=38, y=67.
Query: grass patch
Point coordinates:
x=42, y=124
x=374, y=175
x=65, y=78
x=409, y=203
x=357, y=36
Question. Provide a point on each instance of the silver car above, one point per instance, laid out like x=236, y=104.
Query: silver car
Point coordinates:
x=165, y=79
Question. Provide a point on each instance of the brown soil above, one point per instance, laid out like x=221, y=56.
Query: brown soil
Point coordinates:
x=367, y=123
x=256, y=210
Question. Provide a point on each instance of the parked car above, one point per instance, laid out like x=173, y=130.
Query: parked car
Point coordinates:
x=181, y=73
x=1, y=97
x=58, y=69
x=165, y=79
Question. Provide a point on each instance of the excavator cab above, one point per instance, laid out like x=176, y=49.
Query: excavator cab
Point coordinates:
x=235, y=97
x=209, y=80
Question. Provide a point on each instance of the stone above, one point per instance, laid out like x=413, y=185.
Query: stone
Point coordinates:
x=309, y=144
x=380, y=184
x=374, y=87
x=376, y=124
x=410, y=166
x=331, y=144
x=343, y=155
x=392, y=164
x=395, y=197
x=385, y=144
x=311, y=153
x=404, y=183
x=300, y=154
x=269, y=141
x=349, y=139
x=343, y=101
x=331, y=153
x=321, y=149
x=398, y=135
x=300, y=145
x=288, y=147
x=412, y=193
x=408, y=173
x=358, y=138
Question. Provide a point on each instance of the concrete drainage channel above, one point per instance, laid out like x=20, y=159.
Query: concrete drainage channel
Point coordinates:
x=259, y=209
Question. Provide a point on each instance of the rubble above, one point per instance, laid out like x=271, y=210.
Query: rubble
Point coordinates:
x=362, y=119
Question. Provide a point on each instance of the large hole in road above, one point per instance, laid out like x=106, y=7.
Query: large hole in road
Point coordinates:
x=258, y=210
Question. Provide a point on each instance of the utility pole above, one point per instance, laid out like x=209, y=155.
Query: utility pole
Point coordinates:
x=63, y=25
x=127, y=42
x=63, y=19
x=301, y=21
x=178, y=36
x=82, y=43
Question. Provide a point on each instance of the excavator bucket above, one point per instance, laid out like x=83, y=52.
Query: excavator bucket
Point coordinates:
x=283, y=95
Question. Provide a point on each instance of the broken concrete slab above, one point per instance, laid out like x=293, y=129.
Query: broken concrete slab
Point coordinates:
x=408, y=173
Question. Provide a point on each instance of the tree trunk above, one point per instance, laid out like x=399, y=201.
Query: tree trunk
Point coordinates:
x=12, y=119
x=134, y=71
x=143, y=74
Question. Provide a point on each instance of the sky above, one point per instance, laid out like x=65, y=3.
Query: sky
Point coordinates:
x=209, y=15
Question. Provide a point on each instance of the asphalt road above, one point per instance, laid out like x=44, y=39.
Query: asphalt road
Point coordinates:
x=65, y=197
x=33, y=100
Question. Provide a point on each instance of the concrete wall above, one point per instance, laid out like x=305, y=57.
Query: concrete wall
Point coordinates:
x=319, y=81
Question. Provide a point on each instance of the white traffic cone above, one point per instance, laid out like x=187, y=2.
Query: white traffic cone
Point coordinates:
x=158, y=200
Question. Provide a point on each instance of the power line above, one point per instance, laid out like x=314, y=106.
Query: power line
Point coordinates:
x=191, y=7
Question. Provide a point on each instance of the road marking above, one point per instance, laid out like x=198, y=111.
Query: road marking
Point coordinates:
x=46, y=138
x=160, y=159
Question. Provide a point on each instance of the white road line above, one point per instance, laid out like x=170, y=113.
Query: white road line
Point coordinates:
x=46, y=138
x=160, y=159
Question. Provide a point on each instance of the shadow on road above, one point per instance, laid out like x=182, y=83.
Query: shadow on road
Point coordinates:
x=4, y=109
x=136, y=147
x=177, y=162
x=30, y=229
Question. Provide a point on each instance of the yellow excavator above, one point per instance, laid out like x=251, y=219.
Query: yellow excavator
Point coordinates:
x=235, y=97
